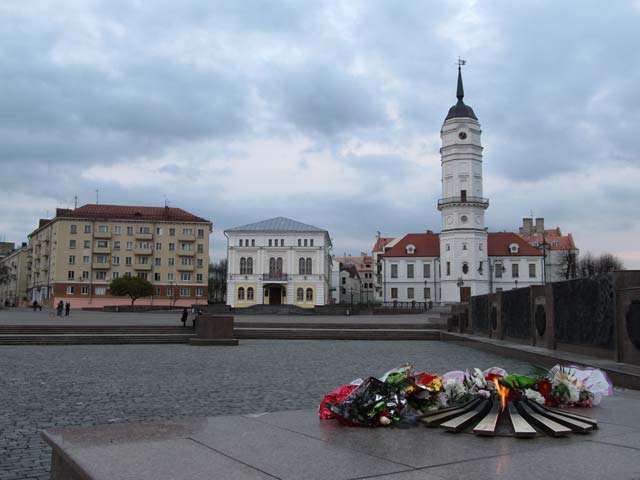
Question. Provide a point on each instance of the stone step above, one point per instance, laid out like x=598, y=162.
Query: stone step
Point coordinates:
x=335, y=326
x=91, y=339
x=335, y=334
x=93, y=329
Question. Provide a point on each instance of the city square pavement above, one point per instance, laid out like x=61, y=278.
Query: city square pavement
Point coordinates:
x=46, y=386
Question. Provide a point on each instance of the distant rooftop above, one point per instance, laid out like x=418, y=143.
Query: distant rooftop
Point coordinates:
x=277, y=224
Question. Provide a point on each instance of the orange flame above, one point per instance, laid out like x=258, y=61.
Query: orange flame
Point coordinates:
x=503, y=392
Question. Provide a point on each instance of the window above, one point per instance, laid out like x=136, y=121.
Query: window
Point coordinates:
x=86, y=244
x=426, y=270
x=448, y=268
x=270, y=242
x=241, y=293
x=102, y=243
x=201, y=247
x=169, y=291
x=499, y=269
x=103, y=228
x=170, y=276
x=86, y=259
x=199, y=277
x=532, y=270
x=410, y=294
x=300, y=294
x=100, y=290
x=253, y=242
x=240, y=243
x=464, y=246
x=409, y=270
x=249, y=265
x=171, y=261
x=199, y=292
x=186, y=247
x=100, y=275
x=72, y=243
x=243, y=266
x=87, y=229
x=185, y=292
x=84, y=290
x=311, y=242
x=102, y=259
x=394, y=293
x=142, y=275
x=554, y=243
x=129, y=230
x=465, y=268
x=114, y=275
x=70, y=290
x=72, y=259
x=187, y=231
x=427, y=293
x=156, y=291
x=158, y=231
x=394, y=271
x=156, y=277
x=115, y=260
x=299, y=242
x=309, y=264
x=129, y=245
x=157, y=261
x=309, y=296
x=201, y=232
x=116, y=245
x=250, y=293
x=172, y=232
x=85, y=275
x=172, y=247
x=305, y=242
x=144, y=229
x=158, y=246
x=513, y=248
x=480, y=246
x=344, y=280
x=301, y=266
x=447, y=247
x=70, y=275
x=200, y=263
x=514, y=270
x=127, y=260
x=185, y=276
x=73, y=229
x=117, y=229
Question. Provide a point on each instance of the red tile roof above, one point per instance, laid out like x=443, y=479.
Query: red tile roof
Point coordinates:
x=126, y=212
x=498, y=245
x=554, y=238
x=380, y=243
x=427, y=245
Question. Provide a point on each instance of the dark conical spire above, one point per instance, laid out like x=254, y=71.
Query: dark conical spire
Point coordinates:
x=460, y=110
x=460, y=93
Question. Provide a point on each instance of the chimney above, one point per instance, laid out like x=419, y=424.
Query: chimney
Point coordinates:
x=378, y=235
x=540, y=225
x=527, y=227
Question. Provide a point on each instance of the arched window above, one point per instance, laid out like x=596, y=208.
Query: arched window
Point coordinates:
x=250, y=293
x=301, y=266
x=241, y=293
x=272, y=265
x=300, y=294
x=279, y=265
x=249, y=266
x=308, y=269
x=243, y=266
x=309, y=295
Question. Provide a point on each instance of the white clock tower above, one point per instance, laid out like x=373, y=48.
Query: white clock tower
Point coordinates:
x=463, y=240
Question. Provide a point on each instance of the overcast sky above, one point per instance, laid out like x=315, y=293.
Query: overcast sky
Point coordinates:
x=325, y=112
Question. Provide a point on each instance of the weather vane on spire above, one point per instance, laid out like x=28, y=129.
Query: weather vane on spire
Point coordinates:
x=461, y=62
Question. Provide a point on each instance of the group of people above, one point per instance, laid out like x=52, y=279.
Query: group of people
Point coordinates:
x=63, y=306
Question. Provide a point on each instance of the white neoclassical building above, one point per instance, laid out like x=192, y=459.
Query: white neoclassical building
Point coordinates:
x=278, y=261
x=464, y=259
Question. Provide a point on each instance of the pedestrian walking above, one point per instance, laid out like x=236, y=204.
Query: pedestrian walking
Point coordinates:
x=59, y=308
x=185, y=315
x=67, y=308
x=35, y=305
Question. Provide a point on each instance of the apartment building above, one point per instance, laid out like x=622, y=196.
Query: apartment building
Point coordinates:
x=14, y=291
x=75, y=255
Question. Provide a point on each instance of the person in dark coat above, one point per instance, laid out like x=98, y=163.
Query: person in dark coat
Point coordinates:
x=35, y=305
x=67, y=308
x=185, y=315
x=59, y=308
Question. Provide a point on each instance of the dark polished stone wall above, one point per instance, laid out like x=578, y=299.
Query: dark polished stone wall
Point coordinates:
x=516, y=313
x=584, y=311
x=480, y=309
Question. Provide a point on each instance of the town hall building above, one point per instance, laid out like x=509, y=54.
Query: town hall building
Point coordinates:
x=464, y=259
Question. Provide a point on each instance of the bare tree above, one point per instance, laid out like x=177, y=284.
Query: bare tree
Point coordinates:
x=569, y=264
x=590, y=265
x=218, y=281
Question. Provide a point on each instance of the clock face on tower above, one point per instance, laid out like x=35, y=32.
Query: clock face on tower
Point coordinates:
x=462, y=135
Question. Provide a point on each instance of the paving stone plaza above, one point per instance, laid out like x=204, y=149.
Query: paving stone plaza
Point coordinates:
x=43, y=386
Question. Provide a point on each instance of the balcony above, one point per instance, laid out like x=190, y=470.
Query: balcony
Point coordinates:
x=101, y=265
x=101, y=235
x=275, y=277
x=143, y=251
x=102, y=250
x=142, y=266
x=463, y=200
x=186, y=253
x=186, y=238
x=143, y=236
x=185, y=268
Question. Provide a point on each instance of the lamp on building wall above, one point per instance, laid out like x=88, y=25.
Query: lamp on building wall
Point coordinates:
x=544, y=247
x=460, y=282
